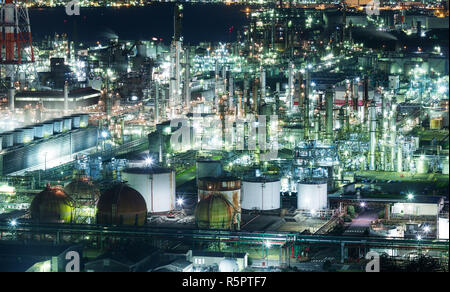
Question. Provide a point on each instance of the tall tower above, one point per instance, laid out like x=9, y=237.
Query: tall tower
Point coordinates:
x=15, y=36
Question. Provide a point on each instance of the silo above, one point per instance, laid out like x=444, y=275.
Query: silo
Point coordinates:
x=48, y=129
x=157, y=186
x=229, y=187
x=422, y=165
x=312, y=195
x=28, y=134
x=67, y=124
x=76, y=121
x=84, y=120
x=208, y=168
x=57, y=126
x=38, y=131
x=260, y=193
x=18, y=137
x=7, y=139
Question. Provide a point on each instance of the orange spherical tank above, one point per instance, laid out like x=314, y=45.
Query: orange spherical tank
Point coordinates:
x=83, y=191
x=214, y=212
x=121, y=205
x=52, y=205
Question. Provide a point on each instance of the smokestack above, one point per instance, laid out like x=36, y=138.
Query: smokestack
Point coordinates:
x=11, y=97
x=66, y=96
x=373, y=139
x=156, y=102
x=187, y=80
x=263, y=83
x=290, y=90
x=329, y=114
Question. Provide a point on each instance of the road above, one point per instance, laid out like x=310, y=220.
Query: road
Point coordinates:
x=360, y=223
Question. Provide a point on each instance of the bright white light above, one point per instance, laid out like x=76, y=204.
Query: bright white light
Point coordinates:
x=427, y=229
x=148, y=161
x=363, y=204
x=410, y=196
x=268, y=244
x=419, y=237
x=180, y=201
x=13, y=223
x=104, y=134
x=313, y=212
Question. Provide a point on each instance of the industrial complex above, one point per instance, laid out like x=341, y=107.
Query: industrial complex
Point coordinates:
x=313, y=137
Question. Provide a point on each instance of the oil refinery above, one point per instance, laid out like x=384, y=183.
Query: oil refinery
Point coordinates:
x=224, y=136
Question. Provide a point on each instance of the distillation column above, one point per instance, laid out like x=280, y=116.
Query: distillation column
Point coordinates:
x=373, y=138
x=329, y=114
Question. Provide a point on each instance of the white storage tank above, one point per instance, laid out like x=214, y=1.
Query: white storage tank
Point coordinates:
x=445, y=166
x=18, y=137
x=156, y=185
x=422, y=164
x=84, y=120
x=260, y=193
x=75, y=121
x=1, y=143
x=312, y=195
x=208, y=168
x=48, y=129
x=57, y=126
x=38, y=131
x=7, y=139
x=67, y=124
x=28, y=134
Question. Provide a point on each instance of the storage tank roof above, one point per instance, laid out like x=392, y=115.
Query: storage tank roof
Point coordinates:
x=218, y=179
x=257, y=179
x=148, y=170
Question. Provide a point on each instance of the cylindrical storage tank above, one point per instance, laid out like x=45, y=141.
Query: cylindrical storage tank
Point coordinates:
x=7, y=139
x=228, y=265
x=38, y=131
x=156, y=185
x=230, y=187
x=261, y=193
x=18, y=137
x=76, y=121
x=57, y=126
x=28, y=134
x=208, y=168
x=67, y=124
x=52, y=205
x=48, y=129
x=312, y=195
x=445, y=166
x=121, y=205
x=436, y=123
x=214, y=212
x=84, y=120
x=422, y=165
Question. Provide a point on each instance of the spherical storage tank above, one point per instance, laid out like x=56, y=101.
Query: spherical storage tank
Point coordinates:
x=228, y=265
x=214, y=212
x=261, y=193
x=157, y=186
x=83, y=191
x=230, y=187
x=121, y=205
x=52, y=205
x=312, y=195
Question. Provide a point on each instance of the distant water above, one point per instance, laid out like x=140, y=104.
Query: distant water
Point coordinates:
x=200, y=23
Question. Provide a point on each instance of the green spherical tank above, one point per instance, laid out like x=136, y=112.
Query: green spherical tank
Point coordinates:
x=214, y=212
x=52, y=205
x=83, y=191
x=121, y=205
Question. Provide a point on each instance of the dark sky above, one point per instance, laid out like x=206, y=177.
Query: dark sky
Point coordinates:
x=200, y=23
